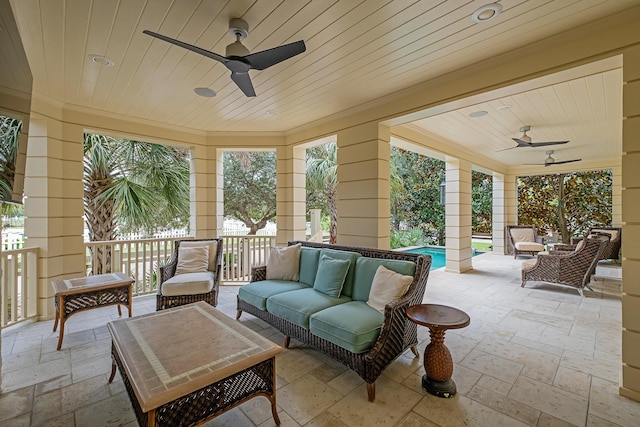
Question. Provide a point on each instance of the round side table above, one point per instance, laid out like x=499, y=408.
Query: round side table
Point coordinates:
x=438, y=363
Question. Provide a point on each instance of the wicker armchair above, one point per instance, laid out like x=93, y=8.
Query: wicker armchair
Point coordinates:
x=612, y=250
x=524, y=239
x=567, y=268
x=190, y=287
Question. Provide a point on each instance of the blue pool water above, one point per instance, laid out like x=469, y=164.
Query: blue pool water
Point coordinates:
x=438, y=259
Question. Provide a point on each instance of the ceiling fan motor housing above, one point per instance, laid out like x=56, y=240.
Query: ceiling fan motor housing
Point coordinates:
x=240, y=30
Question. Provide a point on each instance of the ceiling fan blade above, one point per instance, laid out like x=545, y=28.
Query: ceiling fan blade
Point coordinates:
x=269, y=57
x=563, y=161
x=545, y=143
x=188, y=46
x=244, y=83
x=521, y=143
x=505, y=149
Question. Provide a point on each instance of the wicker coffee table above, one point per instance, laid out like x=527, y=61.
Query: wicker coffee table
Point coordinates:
x=188, y=364
x=85, y=293
x=438, y=363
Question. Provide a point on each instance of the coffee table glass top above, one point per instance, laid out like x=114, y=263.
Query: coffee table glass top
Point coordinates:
x=173, y=352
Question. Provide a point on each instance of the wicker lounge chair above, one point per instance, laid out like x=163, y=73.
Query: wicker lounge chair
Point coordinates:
x=524, y=239
x=612, y=250
x=180, y=289
x=567, y=268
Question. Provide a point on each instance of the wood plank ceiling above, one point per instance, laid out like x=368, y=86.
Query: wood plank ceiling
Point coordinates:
x=357, y=52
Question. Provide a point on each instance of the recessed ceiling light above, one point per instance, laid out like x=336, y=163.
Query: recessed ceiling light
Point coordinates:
x=503, y=107
x=205, y=91
x=486, y=13
x=101, y=60
x=479, y=113
x=272, y=112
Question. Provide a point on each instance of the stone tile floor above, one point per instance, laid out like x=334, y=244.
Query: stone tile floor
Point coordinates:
x=534, y=356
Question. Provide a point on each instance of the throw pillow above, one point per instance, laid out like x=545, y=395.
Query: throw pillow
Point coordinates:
x=284, y=263
x=387, y=286
x=192, y=259
x=331, y=275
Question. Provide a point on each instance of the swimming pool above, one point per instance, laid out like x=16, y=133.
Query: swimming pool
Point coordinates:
x=438, y=259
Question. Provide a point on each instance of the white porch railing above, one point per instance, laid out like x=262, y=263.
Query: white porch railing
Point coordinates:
x=19, y=293
x=140, y=259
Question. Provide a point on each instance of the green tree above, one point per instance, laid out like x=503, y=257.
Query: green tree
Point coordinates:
x=134, y=185
x=9, y=133
x=322, y=180
x=481, y=202
x=419, y=205
x=566, y=203
x=250, y=187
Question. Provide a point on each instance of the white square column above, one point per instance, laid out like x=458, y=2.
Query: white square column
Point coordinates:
x=505, y=209
x=458, y=215
x=291, y=194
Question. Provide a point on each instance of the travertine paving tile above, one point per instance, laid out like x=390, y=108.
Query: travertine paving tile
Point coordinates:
x=325, y=420
x=547, y=420
x=298, y=363
x=593, y=421
x=307, y=397
x=393, y=401
x=574, y=381
x=461, y=411
x=492, y=365
x=504, y=405
x=602, y=368
x=233, y=418
x=559, y=403
x=89, y=368
x=607, y=404
x=115, y=410
x=15, y=403
x=347, y=382
x=415, y=420
x=495, y=385
x=34, y=374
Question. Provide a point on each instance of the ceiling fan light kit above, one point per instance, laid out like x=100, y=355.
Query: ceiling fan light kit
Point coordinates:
x=238, y=59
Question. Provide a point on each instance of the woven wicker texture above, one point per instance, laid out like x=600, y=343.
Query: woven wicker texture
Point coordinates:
x=169, y=270
x=209, y=401
x=612, y=250
x=398, y=332
x=572, y=269
x=84, y=301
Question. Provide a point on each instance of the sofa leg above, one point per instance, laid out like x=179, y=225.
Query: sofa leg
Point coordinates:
x=238, y=314
x=287, y=340
x=371, y=391
x=414, y=350
x=522, y=284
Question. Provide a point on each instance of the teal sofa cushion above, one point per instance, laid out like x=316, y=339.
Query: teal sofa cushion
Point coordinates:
x=353, y=326
x=309, y=258
x=256, y=293
x=366, y=269
x=333, y=272
x=347, y=288
x=298, y=306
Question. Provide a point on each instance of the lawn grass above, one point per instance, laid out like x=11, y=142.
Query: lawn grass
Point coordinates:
x=482, y=246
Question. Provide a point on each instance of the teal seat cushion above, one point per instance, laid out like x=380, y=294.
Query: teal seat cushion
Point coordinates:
x=366, y=269
x=298, y=306
x=309, y=258
x=256, y=293
x=353, y=326
x=333, y=272
x=347, y=287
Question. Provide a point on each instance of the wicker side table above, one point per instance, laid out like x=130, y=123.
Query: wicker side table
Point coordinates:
x=438, y=363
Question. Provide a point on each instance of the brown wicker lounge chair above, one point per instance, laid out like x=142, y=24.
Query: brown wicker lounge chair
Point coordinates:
x=567, y=268
x=612, y=250
x=202, y=286
x=524, y=239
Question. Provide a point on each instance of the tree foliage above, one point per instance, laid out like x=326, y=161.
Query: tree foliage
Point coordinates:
x=481, y=202
x=566, y=203
x=250, y=187
x=9, y=134
x=322, y=183
x=418, y=206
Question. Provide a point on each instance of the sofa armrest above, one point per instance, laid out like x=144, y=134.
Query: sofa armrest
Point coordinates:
x=258, y=273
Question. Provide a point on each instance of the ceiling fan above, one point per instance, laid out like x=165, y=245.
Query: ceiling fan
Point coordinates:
x=238, y=59
x=551, y=161
x=525, y=140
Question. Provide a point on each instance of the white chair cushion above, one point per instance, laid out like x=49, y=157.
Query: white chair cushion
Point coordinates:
x=213, y=250
x=612, y=233
x=192, y=260
x=529, y=264
x=188, y=284
x=284, y=263
x=529, y=246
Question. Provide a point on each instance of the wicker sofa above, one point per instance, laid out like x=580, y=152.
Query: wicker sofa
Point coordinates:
x=345, y=328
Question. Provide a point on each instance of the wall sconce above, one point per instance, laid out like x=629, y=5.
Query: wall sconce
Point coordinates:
x=443, y=191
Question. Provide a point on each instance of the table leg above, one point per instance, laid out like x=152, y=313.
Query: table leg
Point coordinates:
x=113, y=369
x=438, y=366
x=272, y=399
x=61, y=310
x=57, y=314
x=130, y=299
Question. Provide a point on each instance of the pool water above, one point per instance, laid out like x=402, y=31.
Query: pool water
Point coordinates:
x=438, y=259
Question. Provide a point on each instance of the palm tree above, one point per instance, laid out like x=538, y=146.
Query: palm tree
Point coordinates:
x=9, y=133
x=132, y=184
x=322, y=175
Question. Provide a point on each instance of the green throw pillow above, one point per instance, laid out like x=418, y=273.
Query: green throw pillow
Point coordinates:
x=331, y=275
